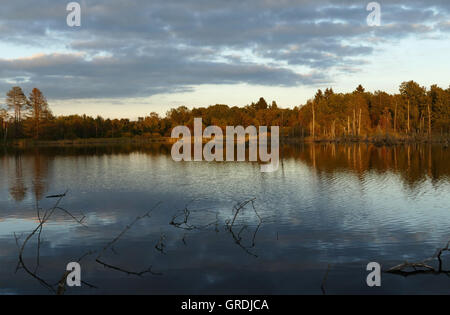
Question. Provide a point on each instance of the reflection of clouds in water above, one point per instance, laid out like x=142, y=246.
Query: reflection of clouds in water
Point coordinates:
x=96, y=219
x=333, y=213
x=297, y=196
x=9, y=226
x=56, y=233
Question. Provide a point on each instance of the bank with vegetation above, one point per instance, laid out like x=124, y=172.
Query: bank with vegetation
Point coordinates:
x=414, y=114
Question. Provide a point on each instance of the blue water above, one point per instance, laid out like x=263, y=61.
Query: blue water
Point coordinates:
x=328, y=207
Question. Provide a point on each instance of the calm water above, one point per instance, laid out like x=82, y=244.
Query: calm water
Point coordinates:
x=328, y=207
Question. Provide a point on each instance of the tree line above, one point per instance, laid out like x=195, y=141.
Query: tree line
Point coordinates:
x=413, y=111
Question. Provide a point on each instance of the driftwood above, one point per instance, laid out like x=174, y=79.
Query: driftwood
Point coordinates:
x=423, y=267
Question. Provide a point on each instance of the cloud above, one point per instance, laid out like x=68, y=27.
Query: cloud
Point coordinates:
x=162, y=72
x=142, y=48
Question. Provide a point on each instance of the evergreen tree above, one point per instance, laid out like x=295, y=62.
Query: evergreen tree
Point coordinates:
x=38, y=110
x=16, y=101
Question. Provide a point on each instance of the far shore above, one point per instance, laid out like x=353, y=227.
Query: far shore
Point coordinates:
x=380, y=140
x=83, y=142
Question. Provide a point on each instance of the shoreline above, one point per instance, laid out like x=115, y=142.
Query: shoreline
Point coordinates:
x=376, y=140
x=29, y=143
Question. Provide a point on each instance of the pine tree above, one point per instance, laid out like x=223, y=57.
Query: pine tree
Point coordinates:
x=415, y=97
x=38, y=110
x=16, y=101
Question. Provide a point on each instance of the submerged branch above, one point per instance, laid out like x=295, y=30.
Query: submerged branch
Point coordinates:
x=60, y=286
x=42, y=221
x=423, y=267
x=128, y=272
x=117, y=238
x=237, y=209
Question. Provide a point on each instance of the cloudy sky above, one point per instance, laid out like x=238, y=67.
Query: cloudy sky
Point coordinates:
x=129, y=58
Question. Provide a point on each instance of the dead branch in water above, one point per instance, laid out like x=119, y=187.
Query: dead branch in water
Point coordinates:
x=79, y=221
x=38, y=252
x=423, y=267
x=160, y=245
x=182, y=220
x=184, y=224
x=117, y=238
x=237, y=209
x=128, y=272
x=59, y=287
x=21, y=263
x=324, y=280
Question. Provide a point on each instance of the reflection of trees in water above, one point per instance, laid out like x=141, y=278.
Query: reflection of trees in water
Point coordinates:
x=17, y=189
x=38, y=170
x=414, y=162
x=40, y=173
x=98, y=150
x=32, y=165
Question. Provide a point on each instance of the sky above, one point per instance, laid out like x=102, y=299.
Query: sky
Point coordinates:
x=130, y=58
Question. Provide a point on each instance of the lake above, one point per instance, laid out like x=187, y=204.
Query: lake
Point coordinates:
x=224, y=227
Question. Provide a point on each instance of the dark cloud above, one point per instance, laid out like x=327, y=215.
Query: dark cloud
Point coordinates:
x=141, y=48
x=140, y=75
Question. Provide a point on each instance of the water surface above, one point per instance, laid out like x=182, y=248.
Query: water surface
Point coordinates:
x=328, y=209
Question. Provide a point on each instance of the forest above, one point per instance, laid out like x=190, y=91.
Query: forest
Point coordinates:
x=415, y=112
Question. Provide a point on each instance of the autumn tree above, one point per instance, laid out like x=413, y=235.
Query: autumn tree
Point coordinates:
x=16, y=101
x=415, y=99
x=439, y=100
x=261, y=104
x=361, y=109
x=328, y=115
x=38, y=111
x=4, y=117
